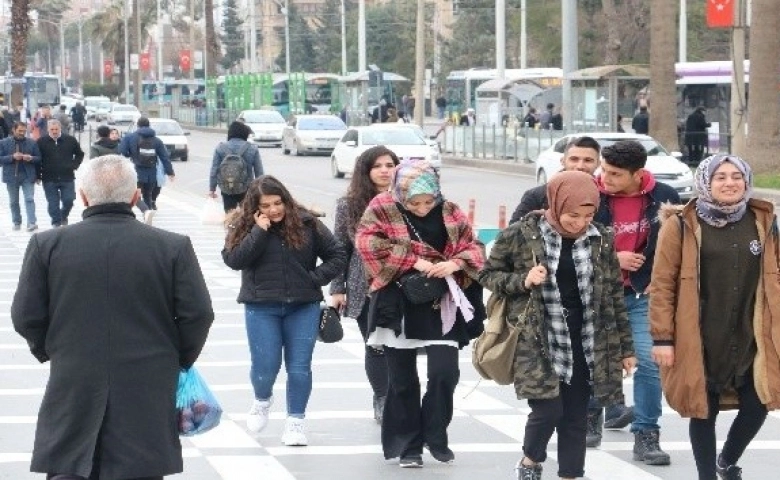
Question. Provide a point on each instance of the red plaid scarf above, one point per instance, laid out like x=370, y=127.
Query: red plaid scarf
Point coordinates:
x=383, y=242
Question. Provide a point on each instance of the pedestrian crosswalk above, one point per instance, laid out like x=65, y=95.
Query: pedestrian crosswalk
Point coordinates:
x=486, y=432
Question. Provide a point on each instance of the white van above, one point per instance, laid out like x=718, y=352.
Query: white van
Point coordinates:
x=91, y=103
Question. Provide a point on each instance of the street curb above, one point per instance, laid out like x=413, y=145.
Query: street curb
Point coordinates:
x=503, y=166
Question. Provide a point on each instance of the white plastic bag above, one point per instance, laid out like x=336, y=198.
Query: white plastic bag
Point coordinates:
x=212, y=213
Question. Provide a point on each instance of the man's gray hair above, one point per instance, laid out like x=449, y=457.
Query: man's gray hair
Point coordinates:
x=107, y=179
x=53, y=123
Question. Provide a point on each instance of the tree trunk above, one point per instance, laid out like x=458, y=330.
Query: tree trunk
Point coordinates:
x=212, y=41
x=663, y=51
x=612, y=55
x=764, y=117
x=20, y=29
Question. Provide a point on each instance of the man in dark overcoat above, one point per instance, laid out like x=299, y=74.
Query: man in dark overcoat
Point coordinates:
x=118, y=308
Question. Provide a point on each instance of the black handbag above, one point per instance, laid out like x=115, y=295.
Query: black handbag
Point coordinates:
x=331, y=330
x=418, y=288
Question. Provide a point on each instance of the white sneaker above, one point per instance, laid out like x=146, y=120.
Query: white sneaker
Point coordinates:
x=149, y=216
x=294, y=433
x=258, y=414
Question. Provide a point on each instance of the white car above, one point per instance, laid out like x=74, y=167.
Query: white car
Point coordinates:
x=91, y=103
x=102, y=109
x=312, y=134
x=267, y=126
x=430, y=140
x=666, y=167
x=406, y=143
x=121, y=113
x=172, y=135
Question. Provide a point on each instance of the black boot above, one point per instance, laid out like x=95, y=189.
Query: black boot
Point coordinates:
x=379, y=408
x=528, y=473
x=727, y=472
x=648, y=450
x=595, y=427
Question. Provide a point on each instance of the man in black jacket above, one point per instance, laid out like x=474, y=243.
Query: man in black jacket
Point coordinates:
x=118, y=308
x=641, y=121
x=61, y=155
x=581, y=154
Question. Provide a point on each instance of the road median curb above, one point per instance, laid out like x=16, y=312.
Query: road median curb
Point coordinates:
x=507, y=166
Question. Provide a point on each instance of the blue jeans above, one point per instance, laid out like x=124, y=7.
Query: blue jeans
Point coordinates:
x=59, y=193
x=28, y=190
x=647, y=380
x=275, y=327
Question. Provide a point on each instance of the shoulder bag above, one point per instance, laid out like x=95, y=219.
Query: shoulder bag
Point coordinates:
x=331, y=330
x=416, y=286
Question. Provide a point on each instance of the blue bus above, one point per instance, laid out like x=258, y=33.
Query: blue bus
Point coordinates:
x=39, y=89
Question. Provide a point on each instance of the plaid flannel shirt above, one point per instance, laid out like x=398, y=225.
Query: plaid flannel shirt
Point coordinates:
x=382, y=239
x=557, y=330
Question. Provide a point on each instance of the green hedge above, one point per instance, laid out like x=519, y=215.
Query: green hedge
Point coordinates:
x=111, y=90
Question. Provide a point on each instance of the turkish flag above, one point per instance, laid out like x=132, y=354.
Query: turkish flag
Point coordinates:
x=185, y=60
x=145, y=62
x=108, y=67
x=720, y=13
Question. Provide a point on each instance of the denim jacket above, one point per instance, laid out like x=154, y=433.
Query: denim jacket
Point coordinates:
x=19, y=171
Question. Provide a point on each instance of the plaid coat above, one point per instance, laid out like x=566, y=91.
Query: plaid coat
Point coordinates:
x=388, y=251
x=511, y=257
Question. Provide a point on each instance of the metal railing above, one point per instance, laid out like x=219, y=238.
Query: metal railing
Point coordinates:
x=518, y=143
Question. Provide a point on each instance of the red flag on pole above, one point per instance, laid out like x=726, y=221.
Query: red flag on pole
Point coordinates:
x=108, y=67
x=720, y=13
x=185, y=60
x=145, y=62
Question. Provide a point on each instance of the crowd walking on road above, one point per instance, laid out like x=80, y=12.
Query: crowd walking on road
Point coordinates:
x=603, y=274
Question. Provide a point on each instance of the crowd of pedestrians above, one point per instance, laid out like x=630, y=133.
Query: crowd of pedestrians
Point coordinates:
x=598, y=287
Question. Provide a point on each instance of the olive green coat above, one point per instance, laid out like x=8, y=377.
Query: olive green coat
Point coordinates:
x=510, y=260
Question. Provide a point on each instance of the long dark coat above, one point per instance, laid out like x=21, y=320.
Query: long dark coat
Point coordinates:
x=117, y=307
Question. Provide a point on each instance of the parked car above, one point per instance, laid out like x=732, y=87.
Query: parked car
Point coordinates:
x=429, y=139
x=91, y=103
x=102, y=109
x=312, y=134
x=121, y=113
x=404, y=142
x=666, y=167
x=172, y=135
x=267, y=126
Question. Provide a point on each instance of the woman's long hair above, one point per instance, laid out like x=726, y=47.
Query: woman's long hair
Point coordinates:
x=361, y=189
x=241, y=220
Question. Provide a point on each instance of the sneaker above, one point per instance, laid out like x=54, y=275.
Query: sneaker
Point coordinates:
x=258, y=415
x=64, y=222
x=648, y=450
x=149, y=216
x=294, y=433
x=595, y=423
x=17, y=227
x=32, y=227
x=411, y=461
x=618, y=416
x=443, y=456
x=727, y=472
x=528, y=473
x=379, y=408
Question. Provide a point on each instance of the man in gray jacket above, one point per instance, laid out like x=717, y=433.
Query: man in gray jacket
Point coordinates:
x=118, y=308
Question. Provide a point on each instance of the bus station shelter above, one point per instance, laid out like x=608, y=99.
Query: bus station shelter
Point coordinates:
x=600, y=94
x=502, y=98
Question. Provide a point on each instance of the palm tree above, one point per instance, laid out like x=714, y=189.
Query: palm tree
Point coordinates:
x=764, y=131
x=663, y=48
x=20, y=29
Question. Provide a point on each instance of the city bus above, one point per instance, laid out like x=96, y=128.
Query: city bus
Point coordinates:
x=39, y=89
x=461, y=85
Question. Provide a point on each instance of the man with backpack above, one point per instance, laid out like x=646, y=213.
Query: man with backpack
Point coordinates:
x=236, y=163
x=145, y=149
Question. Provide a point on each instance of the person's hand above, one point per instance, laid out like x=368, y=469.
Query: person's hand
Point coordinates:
x=338, y=301
x=18, y=156
x=535, y=276
x=630, y=261
x=663, y=355
x=171, y=177
x=27, y=158
x=212, y=194
x=629, y=364
x=422, y=265
x=442, y=269
x=262, y=220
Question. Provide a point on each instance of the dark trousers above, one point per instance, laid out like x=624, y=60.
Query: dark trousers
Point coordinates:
x=147, y=193
x=229, y=202
x=566, y=413
x=60, y=197
x=695, y=153
x=92, y=477
x=748, y=422
x=408, y=424
x=375, y=361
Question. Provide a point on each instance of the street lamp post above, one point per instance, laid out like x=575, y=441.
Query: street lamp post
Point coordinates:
x=126, y=67
x=59, y=26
